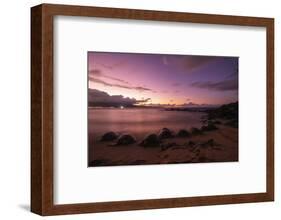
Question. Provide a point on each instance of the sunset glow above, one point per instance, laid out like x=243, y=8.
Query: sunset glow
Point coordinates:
x=163, y=80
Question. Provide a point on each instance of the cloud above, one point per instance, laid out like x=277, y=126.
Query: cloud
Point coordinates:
x=141, y=89
x=111, y=66
x=233, y=74
x=194, y=62
x=98, y=77
x=189, y=62
x=99, y=98
x=144, y=100
x=98, y=73
x=226, y=85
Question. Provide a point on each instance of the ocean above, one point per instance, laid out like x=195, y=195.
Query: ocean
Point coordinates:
x=139, y=121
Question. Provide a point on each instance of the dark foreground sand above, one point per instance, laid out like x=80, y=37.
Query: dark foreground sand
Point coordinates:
x=219, y=145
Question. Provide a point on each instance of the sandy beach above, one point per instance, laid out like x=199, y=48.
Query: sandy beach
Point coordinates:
x=225, y=149
x=218, y=144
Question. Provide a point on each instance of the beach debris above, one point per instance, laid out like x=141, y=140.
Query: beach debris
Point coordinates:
x=211, y=144
x=194, y=147
x=165, y=133
x=183, y=133
x=195, y=131
x=109, y=136
x=165, y=146
x=126, y=139
x=190, y=144
x=151, y=140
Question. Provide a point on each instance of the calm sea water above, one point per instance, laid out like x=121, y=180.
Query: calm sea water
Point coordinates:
x=139, y=122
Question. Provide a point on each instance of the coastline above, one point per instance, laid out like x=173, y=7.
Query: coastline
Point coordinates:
x=215, y=140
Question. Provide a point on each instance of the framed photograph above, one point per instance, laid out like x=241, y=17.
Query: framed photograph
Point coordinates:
x=138, y=109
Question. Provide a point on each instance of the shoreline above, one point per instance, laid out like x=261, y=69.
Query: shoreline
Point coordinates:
x=216, y=140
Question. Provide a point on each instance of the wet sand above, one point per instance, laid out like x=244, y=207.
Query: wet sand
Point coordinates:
x=220, y=145
x=151, y=136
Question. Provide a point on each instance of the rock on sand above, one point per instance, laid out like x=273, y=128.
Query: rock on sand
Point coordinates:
x=126, y=139
x=109, y=136
x=165, y=133
x=150, y=140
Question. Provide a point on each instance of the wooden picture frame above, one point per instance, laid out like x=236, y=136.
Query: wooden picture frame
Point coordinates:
x=42, y=154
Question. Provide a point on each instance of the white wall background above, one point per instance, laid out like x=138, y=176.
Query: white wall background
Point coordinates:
x=15, y=110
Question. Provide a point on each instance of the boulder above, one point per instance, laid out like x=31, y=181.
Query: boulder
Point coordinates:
x=150, y=140
x=195, y=131
x=126, y=139
x=183, y=133
x=165, y=133
x=209, y=143
x=109, y=136
x=209, y=127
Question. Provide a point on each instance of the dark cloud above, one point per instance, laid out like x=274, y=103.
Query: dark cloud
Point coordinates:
x=226, y=85
x=98, y=73
x=99, y=98
x=112, y=66
x=190, y=62
x=233, y=74
x=194, y=62
x=98, y=77
x=141, y=88
x=144, y=100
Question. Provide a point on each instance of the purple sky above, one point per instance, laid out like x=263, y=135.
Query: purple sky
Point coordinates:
x=159, y=79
